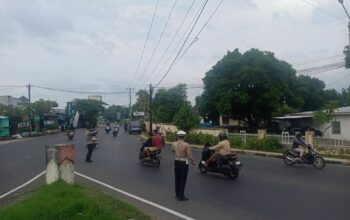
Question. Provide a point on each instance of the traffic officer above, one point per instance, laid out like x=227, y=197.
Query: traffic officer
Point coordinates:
x=182, y=151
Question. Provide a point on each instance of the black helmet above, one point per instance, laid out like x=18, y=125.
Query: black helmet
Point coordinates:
x=297, y=134
x=222, y=136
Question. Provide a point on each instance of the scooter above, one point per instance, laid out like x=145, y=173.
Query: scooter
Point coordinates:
x=70, y=135
x=108, y=129
x=291, y=157
x=154, y=158
x=115, y=132
x=228, y=165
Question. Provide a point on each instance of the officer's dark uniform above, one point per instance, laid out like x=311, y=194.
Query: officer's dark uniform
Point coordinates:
x=182, y=153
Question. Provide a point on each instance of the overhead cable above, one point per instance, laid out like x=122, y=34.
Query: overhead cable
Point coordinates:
x=160, y=38
x=77, y=91
x=172, y=40
x=144, y=46
x=177, y=55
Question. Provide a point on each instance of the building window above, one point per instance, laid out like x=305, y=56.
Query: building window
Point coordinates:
x=336, y=127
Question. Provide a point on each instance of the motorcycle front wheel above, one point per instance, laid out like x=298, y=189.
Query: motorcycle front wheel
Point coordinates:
x=318, y=162
x=202, y=168
x=157, y=162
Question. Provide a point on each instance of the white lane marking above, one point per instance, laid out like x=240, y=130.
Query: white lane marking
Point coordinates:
x=136, y=197
x=23, y=185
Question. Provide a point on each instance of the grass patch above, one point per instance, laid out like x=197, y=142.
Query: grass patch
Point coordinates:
x=62, y=201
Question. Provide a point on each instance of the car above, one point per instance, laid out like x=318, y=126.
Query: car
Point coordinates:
x=135, y=127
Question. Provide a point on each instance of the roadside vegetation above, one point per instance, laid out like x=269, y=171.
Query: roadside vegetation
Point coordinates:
x=63, y=201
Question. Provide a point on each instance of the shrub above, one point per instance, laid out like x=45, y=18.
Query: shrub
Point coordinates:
x=236, y=142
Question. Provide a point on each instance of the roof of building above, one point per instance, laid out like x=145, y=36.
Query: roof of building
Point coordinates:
x=309, y=114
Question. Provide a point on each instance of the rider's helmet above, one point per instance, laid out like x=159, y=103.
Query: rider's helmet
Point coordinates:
x=181, y=133
x=297, y=134
x=222, y=136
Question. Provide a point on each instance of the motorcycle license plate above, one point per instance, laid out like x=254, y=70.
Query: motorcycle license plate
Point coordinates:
x=238, y=163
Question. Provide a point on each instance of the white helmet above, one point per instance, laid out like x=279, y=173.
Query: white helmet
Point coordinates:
x=181, y=133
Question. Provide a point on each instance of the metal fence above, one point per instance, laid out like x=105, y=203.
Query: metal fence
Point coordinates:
x=287, y=139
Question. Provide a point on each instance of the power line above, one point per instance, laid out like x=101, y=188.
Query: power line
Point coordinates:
x=315, y=60
x=321, y=67
x=197, y=36
x=172, y=40
x=144, y=46
x=76, y=91
x=338, y=80
x=324, y=11
x=177, y=55
x=12, y=86
x=160, y=38
x=173, y=52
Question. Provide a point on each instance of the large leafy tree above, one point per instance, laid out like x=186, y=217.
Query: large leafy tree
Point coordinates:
x=89, y=110
x=255, y=86
x=167, y=102
x=43, y=106
x=185, y=118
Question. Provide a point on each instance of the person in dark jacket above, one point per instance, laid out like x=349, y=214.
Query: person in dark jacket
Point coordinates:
x=90, y=142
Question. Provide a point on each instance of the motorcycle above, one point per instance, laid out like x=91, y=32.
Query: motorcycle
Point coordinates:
x=154, y=158
x=70, y=135
x=227, y=165
x=115, y=132
x=291, y=157
x=107, y=129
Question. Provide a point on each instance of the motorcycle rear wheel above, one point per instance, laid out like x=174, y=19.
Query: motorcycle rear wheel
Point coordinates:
x=318, y=162
x=287, y=159
x=202, y=168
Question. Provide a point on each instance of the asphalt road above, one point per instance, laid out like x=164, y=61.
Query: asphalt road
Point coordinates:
x=265, y=189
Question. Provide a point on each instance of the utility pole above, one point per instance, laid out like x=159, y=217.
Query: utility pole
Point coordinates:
x=348, y=47
x=29, y=112
x=130, y=101
x=150, y=107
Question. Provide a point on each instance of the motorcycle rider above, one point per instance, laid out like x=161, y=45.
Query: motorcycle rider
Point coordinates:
x=108, y=128
x=156, y=144
x=221, y=149
x=298, y=145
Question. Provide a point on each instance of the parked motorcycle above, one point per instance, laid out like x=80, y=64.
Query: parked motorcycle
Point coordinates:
x=291, y=157
x=70, y=135
x=154, y=158
x=228, y=165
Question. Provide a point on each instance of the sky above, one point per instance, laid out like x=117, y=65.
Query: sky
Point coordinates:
x=96, y=46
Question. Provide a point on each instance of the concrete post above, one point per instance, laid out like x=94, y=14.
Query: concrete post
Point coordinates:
x=310, y=137
x=60, y=163
x=261, y=134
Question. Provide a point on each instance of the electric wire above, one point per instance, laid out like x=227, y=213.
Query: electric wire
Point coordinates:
x=172, y=40
x=77, y=91
x=144, y=46
x=160, y=38
x=177, y=55
x=197, y=36
x=324, y=11
x=178, y=45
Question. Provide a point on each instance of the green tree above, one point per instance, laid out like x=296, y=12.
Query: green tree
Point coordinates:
x=43, y=106
x=249, y=86
x=345, y=97
x=89, y=110
x=185, y=118
x=112, y=111
x=167, y=102
x=142, y=101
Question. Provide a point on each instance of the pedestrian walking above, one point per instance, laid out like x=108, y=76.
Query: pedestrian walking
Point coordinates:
x=91, y=141
x=183, y=156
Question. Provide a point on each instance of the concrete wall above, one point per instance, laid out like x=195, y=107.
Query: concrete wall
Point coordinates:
x=344, y=128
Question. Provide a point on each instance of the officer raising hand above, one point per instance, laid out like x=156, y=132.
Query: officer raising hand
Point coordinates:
x=182, y=152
